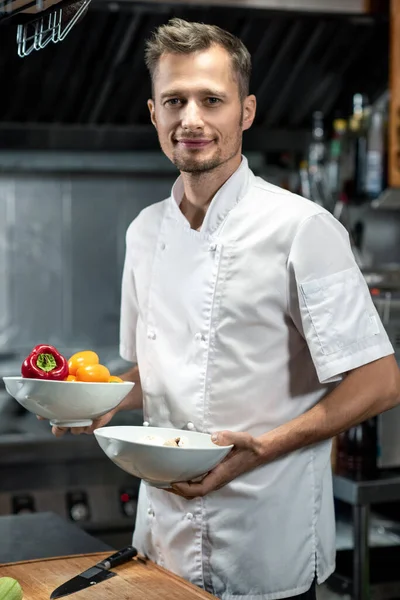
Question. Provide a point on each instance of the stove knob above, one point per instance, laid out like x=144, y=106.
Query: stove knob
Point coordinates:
x=79, y=512
x=129, y=508
x=78, y=506
x=128, y=501
x=23, y=504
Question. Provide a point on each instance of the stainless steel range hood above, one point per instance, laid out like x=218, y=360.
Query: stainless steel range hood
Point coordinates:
x=316, y=6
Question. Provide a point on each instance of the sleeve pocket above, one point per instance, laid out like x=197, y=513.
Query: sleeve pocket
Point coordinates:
x=339, y=309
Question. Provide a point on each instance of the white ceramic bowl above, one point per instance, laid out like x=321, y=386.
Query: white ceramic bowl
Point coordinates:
x=160, y=466
x=67, y=403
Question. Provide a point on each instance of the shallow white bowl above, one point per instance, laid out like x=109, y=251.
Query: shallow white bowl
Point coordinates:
x=67, y=403
x=160, y=466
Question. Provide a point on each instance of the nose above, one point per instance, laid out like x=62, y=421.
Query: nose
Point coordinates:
x=191, y=116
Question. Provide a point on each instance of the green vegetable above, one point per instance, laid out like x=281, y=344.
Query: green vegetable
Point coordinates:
x=10, y=589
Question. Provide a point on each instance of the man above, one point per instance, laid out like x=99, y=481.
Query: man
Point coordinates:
x=247, y=317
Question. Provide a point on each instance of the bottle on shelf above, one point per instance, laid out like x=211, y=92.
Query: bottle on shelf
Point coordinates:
x=375, y=170
x=356, y=451
x=335, y=166
x=357, y=149
x=319, y=191
x=317, y=146
x=336, y=153
x=304, y=180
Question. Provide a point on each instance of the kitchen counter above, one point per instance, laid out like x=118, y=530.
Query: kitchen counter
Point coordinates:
x=364, y=580
x=54, y=474
x=43, y=535
x=134, y=579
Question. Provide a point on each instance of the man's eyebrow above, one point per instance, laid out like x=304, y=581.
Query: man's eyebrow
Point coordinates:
x=204, y=92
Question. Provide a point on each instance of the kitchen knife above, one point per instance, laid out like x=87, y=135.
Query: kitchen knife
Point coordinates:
x=100, y=572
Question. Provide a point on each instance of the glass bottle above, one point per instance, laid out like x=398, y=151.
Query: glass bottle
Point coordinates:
x=357, y=450
x=357, y=160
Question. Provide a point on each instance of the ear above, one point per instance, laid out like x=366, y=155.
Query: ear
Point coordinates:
x=249, y=112
x=151, y=107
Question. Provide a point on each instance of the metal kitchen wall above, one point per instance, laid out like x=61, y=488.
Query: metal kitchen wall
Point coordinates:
x=62, y=243
x=63, y=220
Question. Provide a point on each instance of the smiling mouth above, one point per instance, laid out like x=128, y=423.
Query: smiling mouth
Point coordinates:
x=193, y=143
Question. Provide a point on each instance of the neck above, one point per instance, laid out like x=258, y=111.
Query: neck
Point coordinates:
x=200, y=189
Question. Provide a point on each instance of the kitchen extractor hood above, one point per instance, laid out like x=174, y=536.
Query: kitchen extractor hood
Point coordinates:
x=316, y=6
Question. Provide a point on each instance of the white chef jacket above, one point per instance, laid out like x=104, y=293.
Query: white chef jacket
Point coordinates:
x=244, y=325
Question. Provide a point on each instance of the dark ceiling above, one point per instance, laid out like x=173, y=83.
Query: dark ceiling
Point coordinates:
x=96, y=81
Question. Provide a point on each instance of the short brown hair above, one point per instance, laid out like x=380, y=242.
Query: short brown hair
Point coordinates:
x=184, y=37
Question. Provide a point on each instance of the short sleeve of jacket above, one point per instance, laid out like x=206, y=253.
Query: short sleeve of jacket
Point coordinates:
x=129, y=305
x=329, y=300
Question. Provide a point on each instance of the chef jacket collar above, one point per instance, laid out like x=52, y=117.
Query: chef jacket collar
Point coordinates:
x=224, y=200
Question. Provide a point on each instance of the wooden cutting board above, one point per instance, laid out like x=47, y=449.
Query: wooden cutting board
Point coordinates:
x=135, y=580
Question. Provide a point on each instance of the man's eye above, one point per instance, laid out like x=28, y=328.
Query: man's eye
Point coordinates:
x=173, y=102
x=212, y=100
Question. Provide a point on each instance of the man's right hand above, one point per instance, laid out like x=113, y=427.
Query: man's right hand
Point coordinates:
x=134, y=400
x=100, y=422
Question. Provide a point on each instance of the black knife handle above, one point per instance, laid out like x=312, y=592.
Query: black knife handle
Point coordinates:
x=120, y=557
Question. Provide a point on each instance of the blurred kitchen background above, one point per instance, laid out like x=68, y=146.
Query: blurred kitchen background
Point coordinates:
x=79, y=160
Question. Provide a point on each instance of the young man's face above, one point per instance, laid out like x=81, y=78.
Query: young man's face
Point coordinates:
x=197, y=110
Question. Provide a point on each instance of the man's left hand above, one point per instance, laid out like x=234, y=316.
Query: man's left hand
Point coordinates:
x=245, y=456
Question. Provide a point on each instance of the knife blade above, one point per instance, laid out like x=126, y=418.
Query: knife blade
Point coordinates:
x=96, y=574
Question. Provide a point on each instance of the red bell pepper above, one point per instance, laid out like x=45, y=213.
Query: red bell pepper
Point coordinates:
x=45, y=362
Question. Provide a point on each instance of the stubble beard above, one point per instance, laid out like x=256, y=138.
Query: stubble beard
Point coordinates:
x=194, y=165
x=197, y=166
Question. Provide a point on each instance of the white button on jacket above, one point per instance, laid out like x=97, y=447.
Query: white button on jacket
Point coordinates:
x=272, y=279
